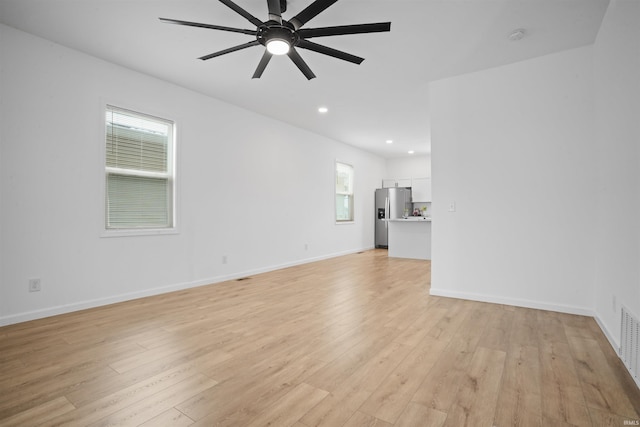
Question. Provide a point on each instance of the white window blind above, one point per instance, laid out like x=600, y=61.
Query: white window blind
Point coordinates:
x=139, y=170
x=344, y=192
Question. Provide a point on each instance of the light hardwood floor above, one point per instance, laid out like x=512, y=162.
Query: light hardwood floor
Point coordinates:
x=351, y=341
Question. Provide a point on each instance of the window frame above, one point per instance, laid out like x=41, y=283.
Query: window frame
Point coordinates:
x=170, y=174
x=336, y=193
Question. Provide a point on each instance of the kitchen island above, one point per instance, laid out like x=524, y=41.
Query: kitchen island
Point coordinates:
x=410, y=237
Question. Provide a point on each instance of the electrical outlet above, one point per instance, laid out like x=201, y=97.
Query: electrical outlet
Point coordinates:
x=224, y=259
x=452, y=207
x=35, y=285
x=306, y=246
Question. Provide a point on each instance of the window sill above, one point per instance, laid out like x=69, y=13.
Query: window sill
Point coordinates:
x=344, y=222
x=140, y=232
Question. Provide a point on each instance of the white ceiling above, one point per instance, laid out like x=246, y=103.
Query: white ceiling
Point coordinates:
x=383, y=98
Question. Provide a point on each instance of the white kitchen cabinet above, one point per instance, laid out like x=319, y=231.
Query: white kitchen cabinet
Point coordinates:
x=421, y=190
x=396, y=182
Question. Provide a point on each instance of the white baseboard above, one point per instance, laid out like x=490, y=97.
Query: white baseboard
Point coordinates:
x=98, y=302
x=610, y=337
x=539, y=305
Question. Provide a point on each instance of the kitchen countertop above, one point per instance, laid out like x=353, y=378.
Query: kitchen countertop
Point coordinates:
x=411, y=219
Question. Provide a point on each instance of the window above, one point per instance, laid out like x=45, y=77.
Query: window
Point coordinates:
x=139, y=172
x=344, y=192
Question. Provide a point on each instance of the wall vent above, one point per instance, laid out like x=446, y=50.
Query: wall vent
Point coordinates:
x=630, y=343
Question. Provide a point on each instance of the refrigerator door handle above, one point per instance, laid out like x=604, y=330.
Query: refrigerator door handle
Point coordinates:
x=387, y=205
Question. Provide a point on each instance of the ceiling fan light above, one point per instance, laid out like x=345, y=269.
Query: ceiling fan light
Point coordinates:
x=278, y=46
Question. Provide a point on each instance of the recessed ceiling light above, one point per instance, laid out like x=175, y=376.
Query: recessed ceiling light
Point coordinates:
x=389, y=141
x=410, y=151
x=322, y=110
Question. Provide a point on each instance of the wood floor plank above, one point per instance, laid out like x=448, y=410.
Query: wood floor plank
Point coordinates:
x=354, y=340
x=524, y=328
x=550, y=327
x=416, y=415
x=562, y=393
x=126, y=397
x=476, y=402
x=162, y=356
x=363, y=420
x=205, y=359
x=338, y=407
x=457, y=312
x=39, y=391
x=396, y=391
x=416, y=331
x=519, y=400
x=336, y=371
x=578, y=326
x=291, y=407
x=600, y=389
x=169, y=418
x=40, y=414
x=372, y=372
x=331, y=349
x=441, y=385
x=217, y=406
x=496, y=334
x=607, y=419
x=156, y=404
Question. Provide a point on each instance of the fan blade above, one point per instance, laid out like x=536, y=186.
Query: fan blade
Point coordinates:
x=306, y=44
x=262, y=65
x=231, y=49
x=310, y=12
x=274, y=11
x=255, y=21
x=302, y=66
x=345, y=29
x=210, y=26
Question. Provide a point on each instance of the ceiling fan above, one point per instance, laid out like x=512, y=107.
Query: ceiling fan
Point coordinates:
x=282, y=37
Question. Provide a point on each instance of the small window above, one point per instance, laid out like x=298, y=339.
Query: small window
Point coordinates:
x=139, y=171
x=344, y=192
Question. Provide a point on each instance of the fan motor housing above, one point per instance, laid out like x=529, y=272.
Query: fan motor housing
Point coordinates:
x=274, y=30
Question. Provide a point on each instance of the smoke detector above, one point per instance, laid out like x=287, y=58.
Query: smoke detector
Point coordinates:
x=516, y=35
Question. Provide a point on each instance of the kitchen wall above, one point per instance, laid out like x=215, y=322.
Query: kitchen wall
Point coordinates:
x=617, y=185
x=409, y=167
x=249, y=188
x=513, y=147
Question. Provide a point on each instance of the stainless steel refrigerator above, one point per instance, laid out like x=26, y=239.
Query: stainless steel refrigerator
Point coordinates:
x=390, y=203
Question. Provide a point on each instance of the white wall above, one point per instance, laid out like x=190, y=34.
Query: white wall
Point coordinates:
x=251, y=188
x=514, y=148
x=543, y=161
x=409, y=167
x=617, y=84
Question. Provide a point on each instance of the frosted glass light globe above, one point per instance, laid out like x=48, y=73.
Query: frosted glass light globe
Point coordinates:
x=277, y=47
